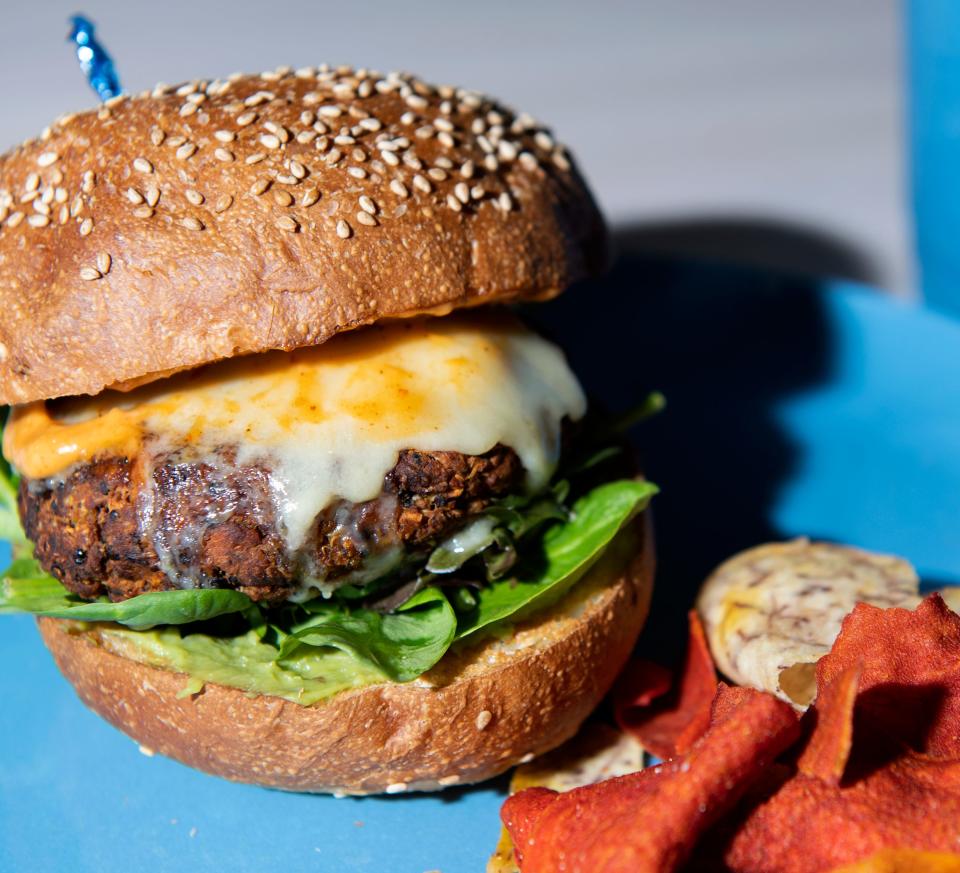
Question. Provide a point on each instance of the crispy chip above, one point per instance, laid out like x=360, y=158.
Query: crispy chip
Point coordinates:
x=910, y=682
x=668, y=721
x=828, y=748
x=887, y=795
x=904, y=861
x=596, y=752
x=650, y=821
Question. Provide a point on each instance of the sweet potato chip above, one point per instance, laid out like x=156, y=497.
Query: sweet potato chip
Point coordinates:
x=667, y=720
x=893, y=679
x=650, y=821
x=904, y=861
x=826, y=753
x=910, y=683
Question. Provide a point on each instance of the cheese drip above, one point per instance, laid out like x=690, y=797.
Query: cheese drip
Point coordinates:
x=330, y=421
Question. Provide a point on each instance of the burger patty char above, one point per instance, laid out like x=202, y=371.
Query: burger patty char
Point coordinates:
x=213, y=525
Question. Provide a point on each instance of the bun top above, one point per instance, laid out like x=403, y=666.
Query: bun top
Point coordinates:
x=218, y=218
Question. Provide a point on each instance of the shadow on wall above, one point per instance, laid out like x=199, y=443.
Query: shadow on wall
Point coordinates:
x=752, y=242
x=726, y=345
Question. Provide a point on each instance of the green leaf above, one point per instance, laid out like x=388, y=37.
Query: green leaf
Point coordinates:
x=24, y=587
x=566, y=552
x=402, y=645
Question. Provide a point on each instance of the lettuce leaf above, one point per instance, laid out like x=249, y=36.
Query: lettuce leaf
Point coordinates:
x=403, y=644
x=567, y=551
x=25, y=587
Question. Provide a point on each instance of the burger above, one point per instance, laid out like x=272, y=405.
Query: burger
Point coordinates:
x=296, y=499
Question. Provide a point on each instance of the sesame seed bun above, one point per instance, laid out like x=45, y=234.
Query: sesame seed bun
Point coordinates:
x=482, y=709
x=181, y=226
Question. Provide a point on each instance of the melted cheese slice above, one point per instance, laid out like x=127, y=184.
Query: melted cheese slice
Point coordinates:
x=329, y=421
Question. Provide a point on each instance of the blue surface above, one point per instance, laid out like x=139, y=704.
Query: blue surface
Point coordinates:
x=933, y=54
x=794, y=409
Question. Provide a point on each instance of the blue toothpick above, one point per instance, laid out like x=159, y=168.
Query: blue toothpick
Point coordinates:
x=94, y=60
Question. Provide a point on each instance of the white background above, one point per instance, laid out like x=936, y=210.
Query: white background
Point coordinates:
x=756, y=129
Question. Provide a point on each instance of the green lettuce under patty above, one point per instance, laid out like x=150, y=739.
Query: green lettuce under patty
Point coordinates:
x=529, y=551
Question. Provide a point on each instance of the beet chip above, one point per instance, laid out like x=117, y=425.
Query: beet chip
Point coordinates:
x=650, y=821
x=668, y=721
x=892, y=682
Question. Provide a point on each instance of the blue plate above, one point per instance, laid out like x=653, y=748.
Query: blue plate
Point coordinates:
x=795, y=407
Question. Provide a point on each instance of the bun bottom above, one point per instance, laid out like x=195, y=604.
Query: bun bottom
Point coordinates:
x=482, y=709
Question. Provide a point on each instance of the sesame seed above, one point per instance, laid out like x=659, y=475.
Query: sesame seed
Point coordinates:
x=399, y=188
x=307, y=117
x=258, y=98
x=152, y=195
x=41, y=207
x=367, y=219
x=38, y=220
x=285, y=222
x=157, y=136
x=454, y=203
x=357, y=172
x=15, y=219
x=491, y=163
x=187, y=150
x=90, y=274
x=477, y=192
x=175, y=141
x=444, y=162
x=86, y=226
x=422, y=184
x=63, y=215
x=415, y=101
x=277, y=130
x=448, y=780
x=543, y=140
x=47, y=196
x=89, y=181
x=367, y=204
x=467, y=169
x=297, y=169
x=343, y=139
x=437, y=174
x=483, y=719
x=225, y=135
x=60, y=195
x=224, y=155
x=506, y=150
x=528, y=161
x=320, y=127
x=260, y=185
x=371, y=124
x=188, y=109
x=33, y=182
x=396, y=788
x=424, y=132
x=333, y=156
x=286, y=179
x=142, y=165
x=412, y=161
x=270, y=140
x=191, y=223
x=330, y=111
x=48, y=158
x=104, y=262
x=310, y=196
x=446, y=140
x=255, y=158
x=143, y=212
x=134, y=196
x=246, y=118
x=343, y=229
x=560, y=160
x=306, y=136
x=194, y=197
x=282, y=198
x=223, y=203
x=443, y=124
x=484, y=144
x=505, y=201
x=390, y=158
x=408, y=118
x=462, y=192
